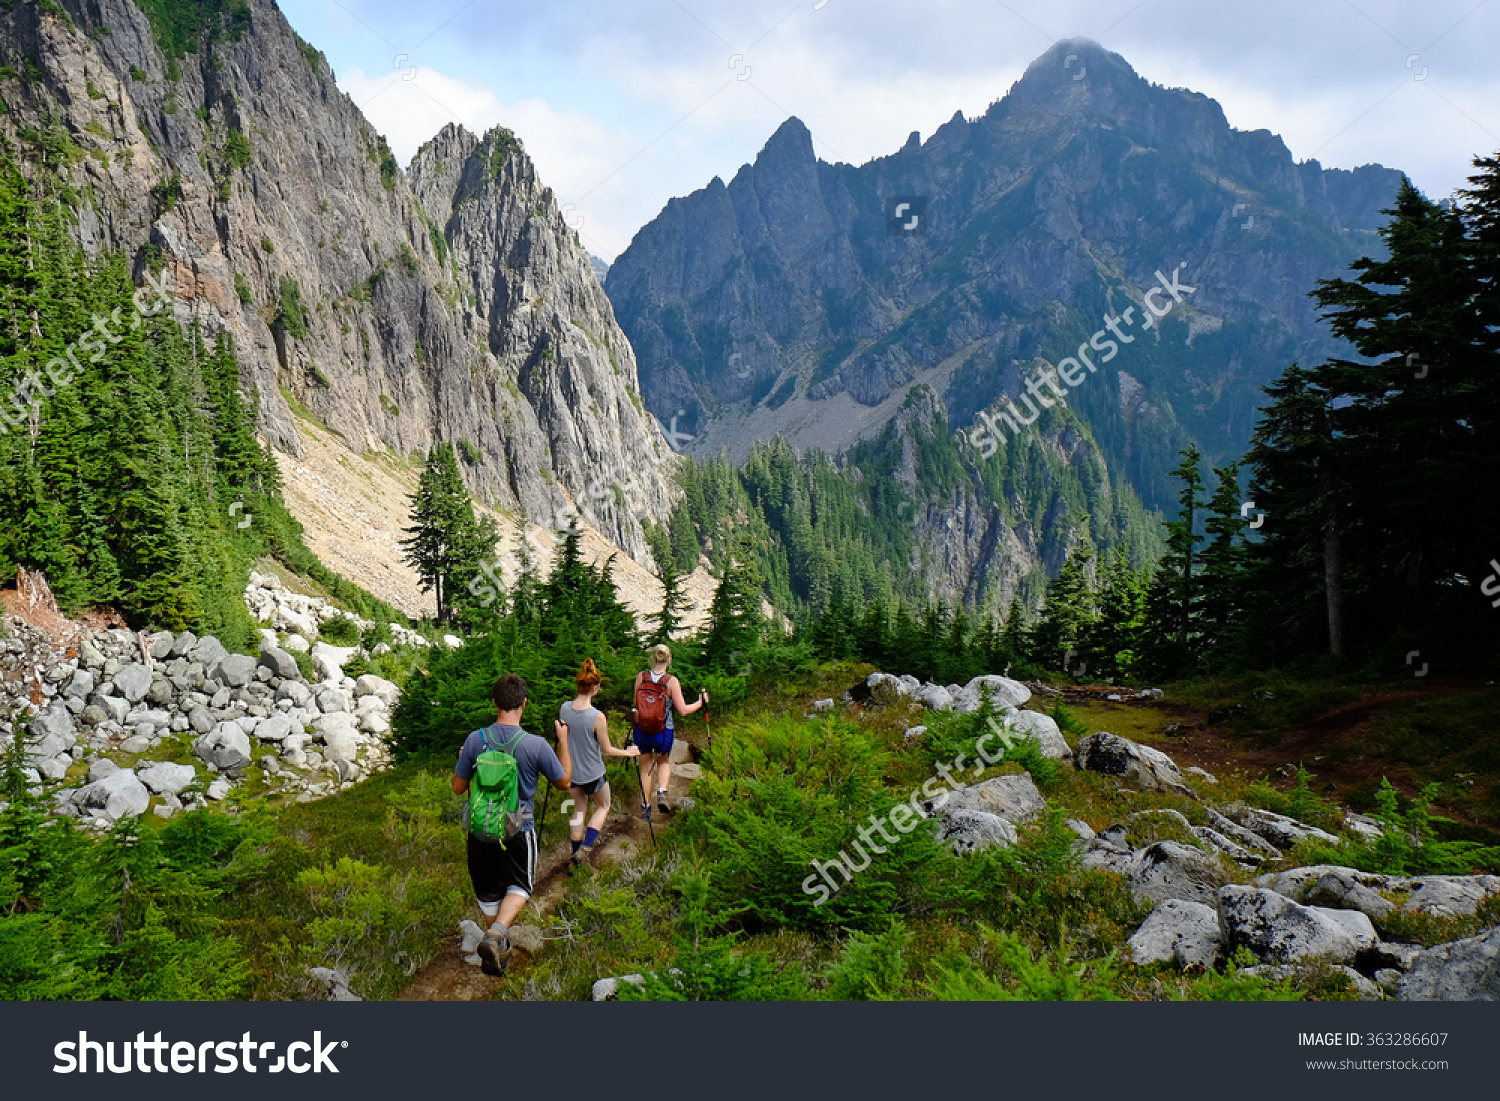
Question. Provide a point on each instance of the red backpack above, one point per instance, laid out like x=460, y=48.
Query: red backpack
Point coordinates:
x=651, y=704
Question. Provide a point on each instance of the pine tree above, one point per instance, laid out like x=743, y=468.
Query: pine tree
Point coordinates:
x=1172, y=609
x=1222, y=580
x=446, y=544
x=668, y=620
x=734, y=616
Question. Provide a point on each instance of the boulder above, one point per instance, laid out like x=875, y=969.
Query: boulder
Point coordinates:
x=1462, y=971
x=1140, y=766
x=342, y=743
x=281, y=663
x=234, y=670
x=300, y=624
x=333, y=701
x=1043, y=728
x=275, y=729
x=1167, y=869
x=1363, y=826
x=1279, y=930
x=1225, y=845
x=226, y=748
x=138, y=742
x=115, y=708
x=182, y=645
x=100, y=767
x=218, y=789
x=1448, y=896
x=971, y=830
x=52, y=732
x=452, y=642
x=913, y=736
x=1281, y=831
x=54, y=768
x=119, y=795
x=1004, y=692
x=209, y=652
x=607, y=990
x=81, y=686
x=377, y=724
x=1180, y=932
x=161, y=646
x=200, y=719
x=1238, y=833
x=886, y=690
x=820, y=706
x=133, y=682
x=299, y=694
x=1014, y=798
x=1081, y=828
x=167, y=777
x=935, y=697
x=378, y=687
x=296, y=644
x=528, y=938
x=1337, y=890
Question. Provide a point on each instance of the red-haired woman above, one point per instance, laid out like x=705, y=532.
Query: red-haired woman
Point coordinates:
x=588, y=735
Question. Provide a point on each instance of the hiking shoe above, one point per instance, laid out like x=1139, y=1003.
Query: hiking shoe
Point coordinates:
x=585, y=857
x=646, y=811
x=494, y=953
x=661, y=804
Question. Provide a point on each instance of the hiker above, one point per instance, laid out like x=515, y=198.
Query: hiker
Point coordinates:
x=588, y=735
x=499, y=767
x=658, y=696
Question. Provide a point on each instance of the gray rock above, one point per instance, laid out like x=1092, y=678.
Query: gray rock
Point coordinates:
x=297, y=643
x=969, y=831
x=913, y=736
x=1281, y=831
x=607, y=990
x=1462, y=971
x=1166, y=870
x=298, y=693
x=1337, y=890
x=935, y=697
x=118, y=795
x=1014, y=798
x=81, y=686
x=115, y=708
x=89, y=655
x=279, y=662
x=51, y=732
x=1180, y=932
x=333, y=701
x=1229, y=848
x=209, y=652
x=1139, y=766
x=383, y=690
x=1279, y=930
x=234, y=670
x=167, y=777
x=226, y=748
x=1004, y=692
x=342, y=743
x=54, y=768
x=1202, y=774
x=1081, y=828
x=200, y=720
x=137, y=743
x=275, y=729
x=886, y=690
x=218, y=789
x=1241, y=835
x=1043, y=728
x=377, y=724
x=183, y=644
x=161, y=646
x=528, y=938
x=133, y=682
x=820, y=706
x=161, y=692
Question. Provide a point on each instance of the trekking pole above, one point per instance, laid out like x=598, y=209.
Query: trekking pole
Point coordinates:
x=641, y=784
x=709, y=726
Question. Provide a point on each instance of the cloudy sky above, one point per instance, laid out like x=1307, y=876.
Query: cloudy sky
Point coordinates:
x=626, y=103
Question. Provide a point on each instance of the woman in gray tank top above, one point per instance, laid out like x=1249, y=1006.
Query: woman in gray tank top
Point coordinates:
x=588, y=738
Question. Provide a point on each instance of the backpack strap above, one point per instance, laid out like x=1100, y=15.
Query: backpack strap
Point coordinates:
x=506, y=747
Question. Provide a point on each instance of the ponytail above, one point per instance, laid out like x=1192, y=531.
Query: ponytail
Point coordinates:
x=588, y=677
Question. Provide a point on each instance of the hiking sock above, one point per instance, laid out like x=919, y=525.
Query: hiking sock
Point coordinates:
x=585, y=841
x=590, y=835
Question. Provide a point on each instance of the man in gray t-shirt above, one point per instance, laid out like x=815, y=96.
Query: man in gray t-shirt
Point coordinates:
x=504, y=876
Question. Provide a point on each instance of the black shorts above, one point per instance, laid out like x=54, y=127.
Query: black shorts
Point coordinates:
x=497, y=871
x=593, y=786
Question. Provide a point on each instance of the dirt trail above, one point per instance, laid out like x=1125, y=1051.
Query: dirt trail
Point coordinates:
x=449, y=978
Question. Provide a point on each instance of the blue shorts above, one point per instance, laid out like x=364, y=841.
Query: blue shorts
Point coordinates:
x=659, y=744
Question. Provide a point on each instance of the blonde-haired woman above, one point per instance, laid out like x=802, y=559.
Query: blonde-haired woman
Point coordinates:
x=659, y=744
x=588, y=734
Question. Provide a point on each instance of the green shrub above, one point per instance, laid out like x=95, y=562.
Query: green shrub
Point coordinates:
x=292, y=314
x=340, y=631
x=870, y=966
x=1049, y=976
x=237, y=149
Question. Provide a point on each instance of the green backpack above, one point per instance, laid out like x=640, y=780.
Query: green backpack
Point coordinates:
x=495, y=792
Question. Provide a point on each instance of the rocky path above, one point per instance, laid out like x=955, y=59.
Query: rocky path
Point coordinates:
x=450, y=978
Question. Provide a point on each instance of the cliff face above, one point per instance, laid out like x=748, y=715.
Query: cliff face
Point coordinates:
x=449, y=304
x=804, y=299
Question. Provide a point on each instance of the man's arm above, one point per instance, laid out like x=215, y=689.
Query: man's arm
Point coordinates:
x=460, y=785
x=564, y=758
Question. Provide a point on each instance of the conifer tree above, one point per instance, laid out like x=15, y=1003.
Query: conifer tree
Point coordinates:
x=668, y=619
x=446, y=544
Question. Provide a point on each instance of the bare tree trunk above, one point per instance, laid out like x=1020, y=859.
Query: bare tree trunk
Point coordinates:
x=1333, y=562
